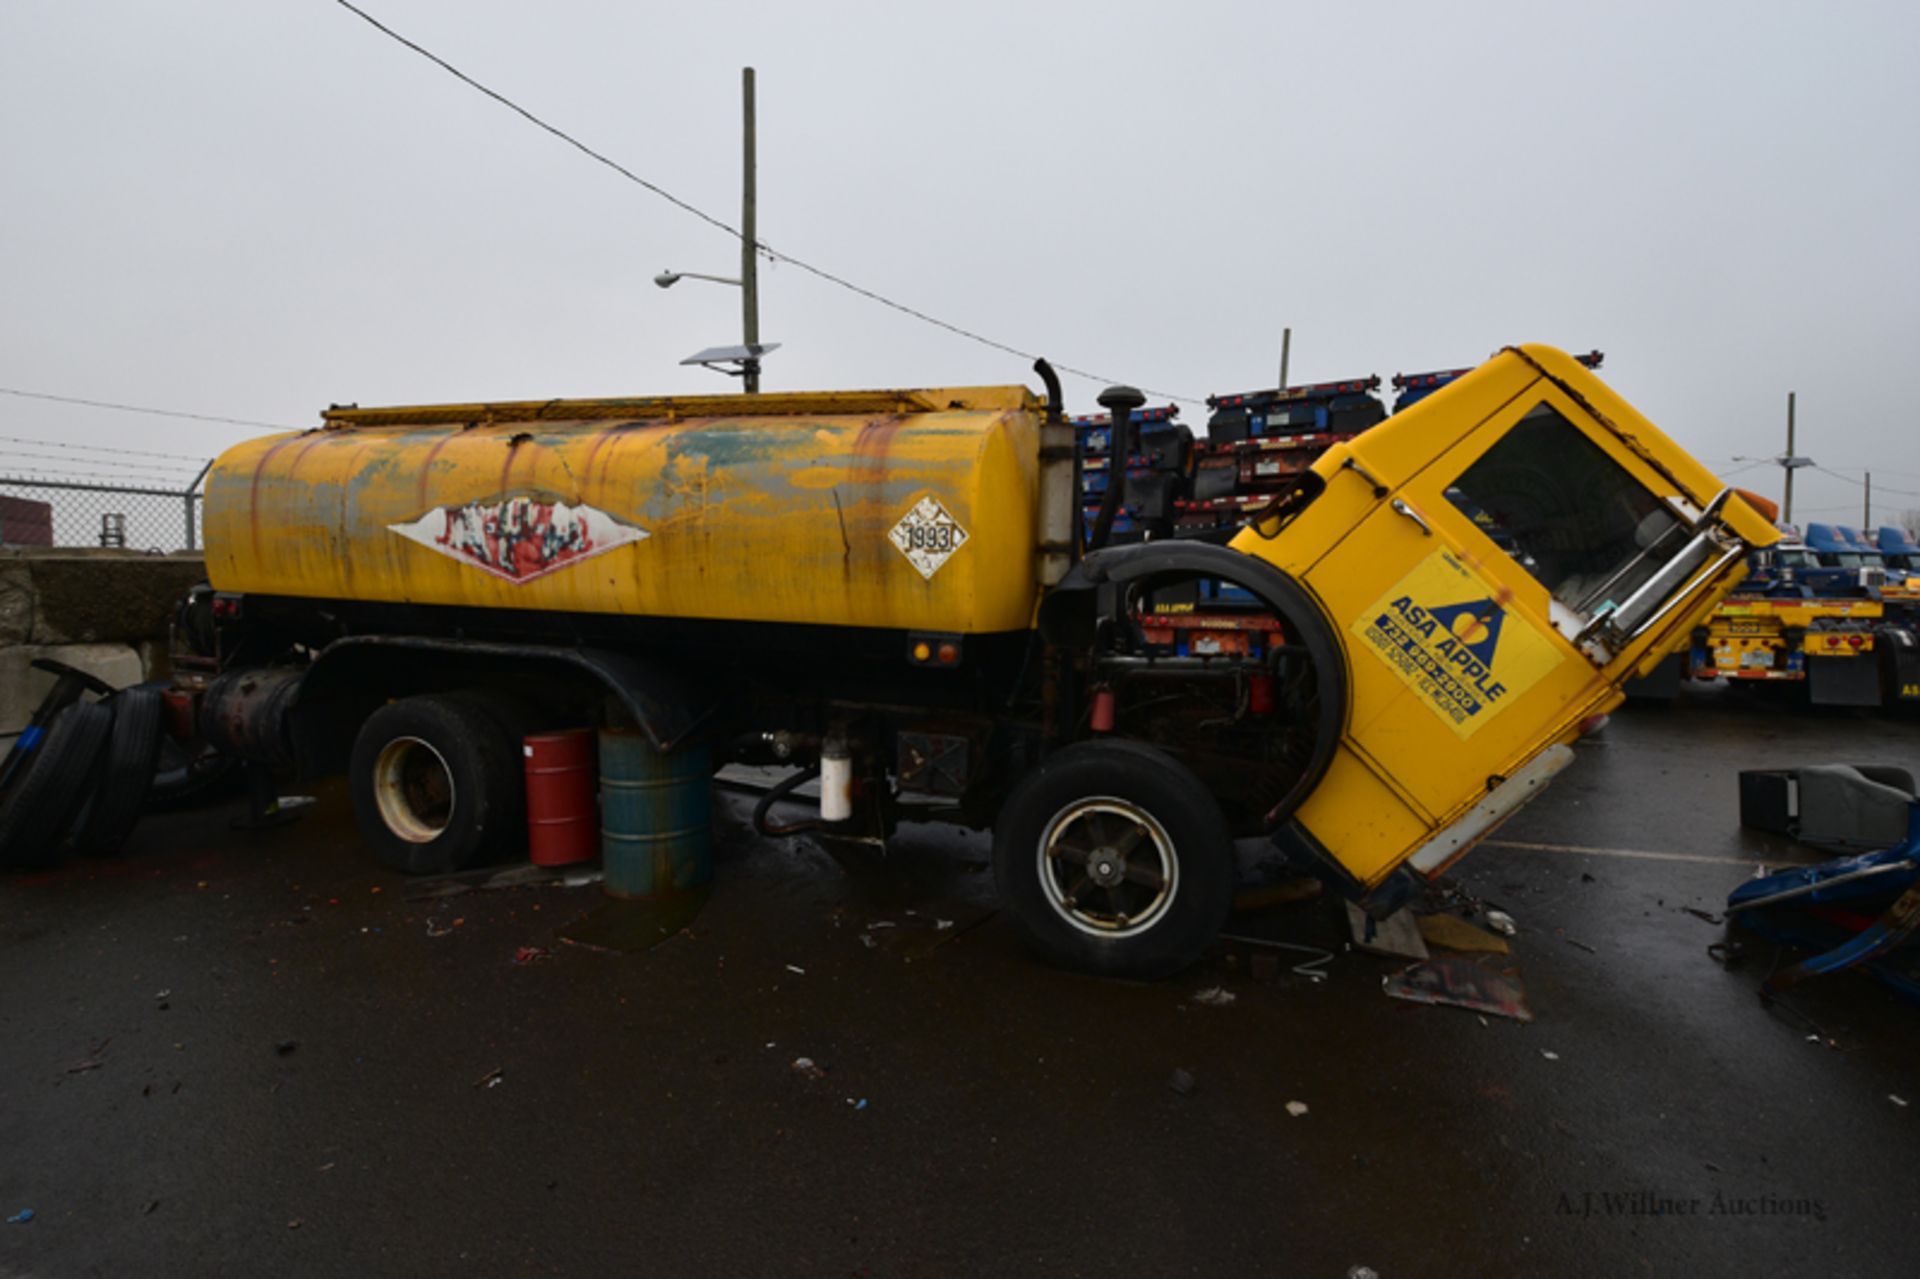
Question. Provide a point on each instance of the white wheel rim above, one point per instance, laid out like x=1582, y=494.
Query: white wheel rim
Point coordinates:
x=1107, y=867
x=413, y=789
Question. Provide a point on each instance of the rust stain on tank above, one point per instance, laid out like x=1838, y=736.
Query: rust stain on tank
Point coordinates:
x=870, y=450
x=513, y=451
x=307, y=439
x=426, y=466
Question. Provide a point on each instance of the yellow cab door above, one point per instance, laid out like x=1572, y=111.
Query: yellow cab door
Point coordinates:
x=1503, y=548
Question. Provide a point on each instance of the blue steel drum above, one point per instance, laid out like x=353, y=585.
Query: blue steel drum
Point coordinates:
x=655, y=816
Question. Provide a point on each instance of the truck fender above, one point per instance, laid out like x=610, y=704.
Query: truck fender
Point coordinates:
x=1066, y=617
x=663, y=701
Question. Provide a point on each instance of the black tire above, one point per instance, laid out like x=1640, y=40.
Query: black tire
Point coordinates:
x=189, y=774
x=41, y=808
x=1098, y=799
x=437, y=785
x=126, y=775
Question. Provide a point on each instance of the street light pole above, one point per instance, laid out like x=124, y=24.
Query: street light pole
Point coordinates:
x=749, y=238
x=1787, y=511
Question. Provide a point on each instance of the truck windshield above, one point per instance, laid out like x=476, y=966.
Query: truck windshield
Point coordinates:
x=1570, y=515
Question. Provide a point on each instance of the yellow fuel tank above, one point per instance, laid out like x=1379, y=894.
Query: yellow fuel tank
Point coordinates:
x=895, y=509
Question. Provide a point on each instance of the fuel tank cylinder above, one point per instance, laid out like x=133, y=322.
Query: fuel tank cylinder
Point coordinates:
x=893, y=509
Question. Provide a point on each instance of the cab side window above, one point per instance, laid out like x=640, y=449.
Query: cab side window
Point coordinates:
x=1567, y=513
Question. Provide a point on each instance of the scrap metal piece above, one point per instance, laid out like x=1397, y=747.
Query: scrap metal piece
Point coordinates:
x=1460, y=983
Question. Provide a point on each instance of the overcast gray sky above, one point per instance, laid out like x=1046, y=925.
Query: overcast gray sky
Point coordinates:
x=254, y=208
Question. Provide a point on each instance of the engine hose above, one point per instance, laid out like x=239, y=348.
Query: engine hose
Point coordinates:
x=775, y=793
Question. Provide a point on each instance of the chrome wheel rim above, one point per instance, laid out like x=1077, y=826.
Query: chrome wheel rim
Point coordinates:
x=1107, y=867
x=413, y=789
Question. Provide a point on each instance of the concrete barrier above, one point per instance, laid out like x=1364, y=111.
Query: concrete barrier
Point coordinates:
x=103, y=611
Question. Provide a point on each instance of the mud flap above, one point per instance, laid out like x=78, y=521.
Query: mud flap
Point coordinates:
x=1899, y=666
x=1843, y=681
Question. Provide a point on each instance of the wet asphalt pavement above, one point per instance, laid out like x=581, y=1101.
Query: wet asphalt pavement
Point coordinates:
x=239, y=1053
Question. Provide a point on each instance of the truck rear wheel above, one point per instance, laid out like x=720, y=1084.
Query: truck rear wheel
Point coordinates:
x=437, y=785
x=1115, y=860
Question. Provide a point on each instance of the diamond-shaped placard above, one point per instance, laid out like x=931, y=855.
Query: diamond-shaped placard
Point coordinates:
x=928, y=535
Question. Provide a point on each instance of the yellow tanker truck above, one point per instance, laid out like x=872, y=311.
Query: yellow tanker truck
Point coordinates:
x=895, y=586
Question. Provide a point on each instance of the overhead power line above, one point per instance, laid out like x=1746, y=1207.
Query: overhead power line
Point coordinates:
x=139, y=408
x=759, y=246
x=1862, y=483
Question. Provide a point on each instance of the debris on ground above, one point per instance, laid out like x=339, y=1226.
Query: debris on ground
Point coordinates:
x=630, y=925
x=1549, y=1054
x=1897, y=1100
x=153, y=1206
x=1313, y=969
x=1575, y=942
x=1182, y=1082
x=857, y=1105
x=427, y=888
x=1363, y=1272
x=21, y=1218
x=492, y=1078
x=924, y=929
x=1305, y=888
x=82, y=1067
x=531, y=955
x=1502, y=923
x=284, y=1047
x=1704, y=916
x=1450, y=932
x=1296, y=1108
x=808, y=1067
x=795, y=968
x=1398, y=936
x=1460, y=983
x=1214, y=997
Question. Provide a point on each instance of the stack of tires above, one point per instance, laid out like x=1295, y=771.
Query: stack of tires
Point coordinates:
x=77, y=783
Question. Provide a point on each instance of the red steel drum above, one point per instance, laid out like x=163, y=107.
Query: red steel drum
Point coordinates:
x=563, y=792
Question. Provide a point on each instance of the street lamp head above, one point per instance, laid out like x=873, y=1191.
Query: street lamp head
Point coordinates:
x=666, y=279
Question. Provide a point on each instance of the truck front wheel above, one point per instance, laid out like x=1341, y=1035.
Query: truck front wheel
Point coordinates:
x=1115, y=860
x=436, y=785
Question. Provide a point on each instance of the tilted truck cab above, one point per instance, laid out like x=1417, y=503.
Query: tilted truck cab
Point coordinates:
x=893, y=583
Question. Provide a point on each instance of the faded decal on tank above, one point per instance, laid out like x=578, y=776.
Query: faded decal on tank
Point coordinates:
x=928, y=535
x=521, y=537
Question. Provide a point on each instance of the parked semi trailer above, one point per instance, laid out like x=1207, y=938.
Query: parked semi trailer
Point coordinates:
x=893, y=583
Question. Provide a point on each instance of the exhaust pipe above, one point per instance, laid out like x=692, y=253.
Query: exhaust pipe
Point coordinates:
x=1059, y=486
x=1119, y=402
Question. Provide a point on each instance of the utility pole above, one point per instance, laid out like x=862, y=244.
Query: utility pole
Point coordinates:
x=1787, y=505
x=750, y=240
x=1286, y=353
x=1866, y=512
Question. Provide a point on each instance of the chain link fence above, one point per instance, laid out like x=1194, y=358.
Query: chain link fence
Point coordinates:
x=39, y=511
